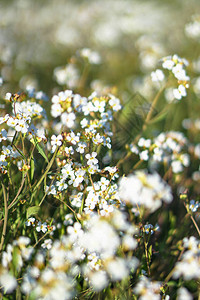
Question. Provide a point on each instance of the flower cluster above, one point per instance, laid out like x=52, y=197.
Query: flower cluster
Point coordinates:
x=142, y=189
x=192, y=29
x=177, y=65
x=168, y=148
x=82, y=252
x=189, y=266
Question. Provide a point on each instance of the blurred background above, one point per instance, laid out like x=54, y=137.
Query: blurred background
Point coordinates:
x=130, y=37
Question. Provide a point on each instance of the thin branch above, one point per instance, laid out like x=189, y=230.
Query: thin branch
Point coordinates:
x=5, y=197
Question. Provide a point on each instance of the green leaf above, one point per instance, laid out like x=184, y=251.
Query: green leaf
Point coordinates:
x=150, y=253
x=158, y=117
x=31, y=211
x=172, y=283
x=32, y=164
x=40, y=149
x=20, y=152
x=35, y=236
x=15, y=259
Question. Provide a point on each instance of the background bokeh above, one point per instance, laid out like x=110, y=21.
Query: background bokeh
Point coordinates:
x=130, y=36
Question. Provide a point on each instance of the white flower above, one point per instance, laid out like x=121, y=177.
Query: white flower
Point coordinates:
x=98, y=231
x=183, y=294
x=75, y=232
x=128, y=242
x=8, y=282
x=56, y=140
x=41, y=227
x=92, y=56
x=114, y=103
x=8, y=96
x=4, y=119
x=81, y=147
x=117, y=269
x=158, y=75
x=47, y=244
x=144, y=155
x=180, y=73
x=144, y=189
x=168, y=64
x=98, y=280
x=12, y=122
x=91, y=158
x=56, y=110
x=30, y=221
x=180, y=92
x=68, y=119
x=3, y=135
x=61, y=185
x=22, y=126
x=193, y=206
x=97, y=139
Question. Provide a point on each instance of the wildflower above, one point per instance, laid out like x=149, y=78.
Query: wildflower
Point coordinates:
x=104, y=183
x=12, y=122
x=79, y=177
x=168, y=64
x=8, y=282
x=192, y=29
x=114, y=103
x=179, y=72
x=41, y=227
x=72, y=138
x=158, y=75
x=81, y=147
x=92, y=56
x=8, y=96
x=91, y=158
x=61, y=185
x=180, y=92
x=3, y=135
x=148, y=289
x=4, y=119
x=56, y=110
x=97, y=139
x=47, y=244
x=148, y=190
x=193, y=206
x=144, y=155
x=30, y=221
x=75, y=231
x=69, y=150
x=21, y=126
x=184, y=294
x=67, y=171
x=56, y=141
x=68, y=75
x=148, y=228
x=98, y=280
x=68, y=119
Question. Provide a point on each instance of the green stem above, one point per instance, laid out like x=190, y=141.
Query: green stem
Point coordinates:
x=40, y=239
x=48, y=188
x=146, y=254
x=5, y=197
x=19, y=191
x=47, y=169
